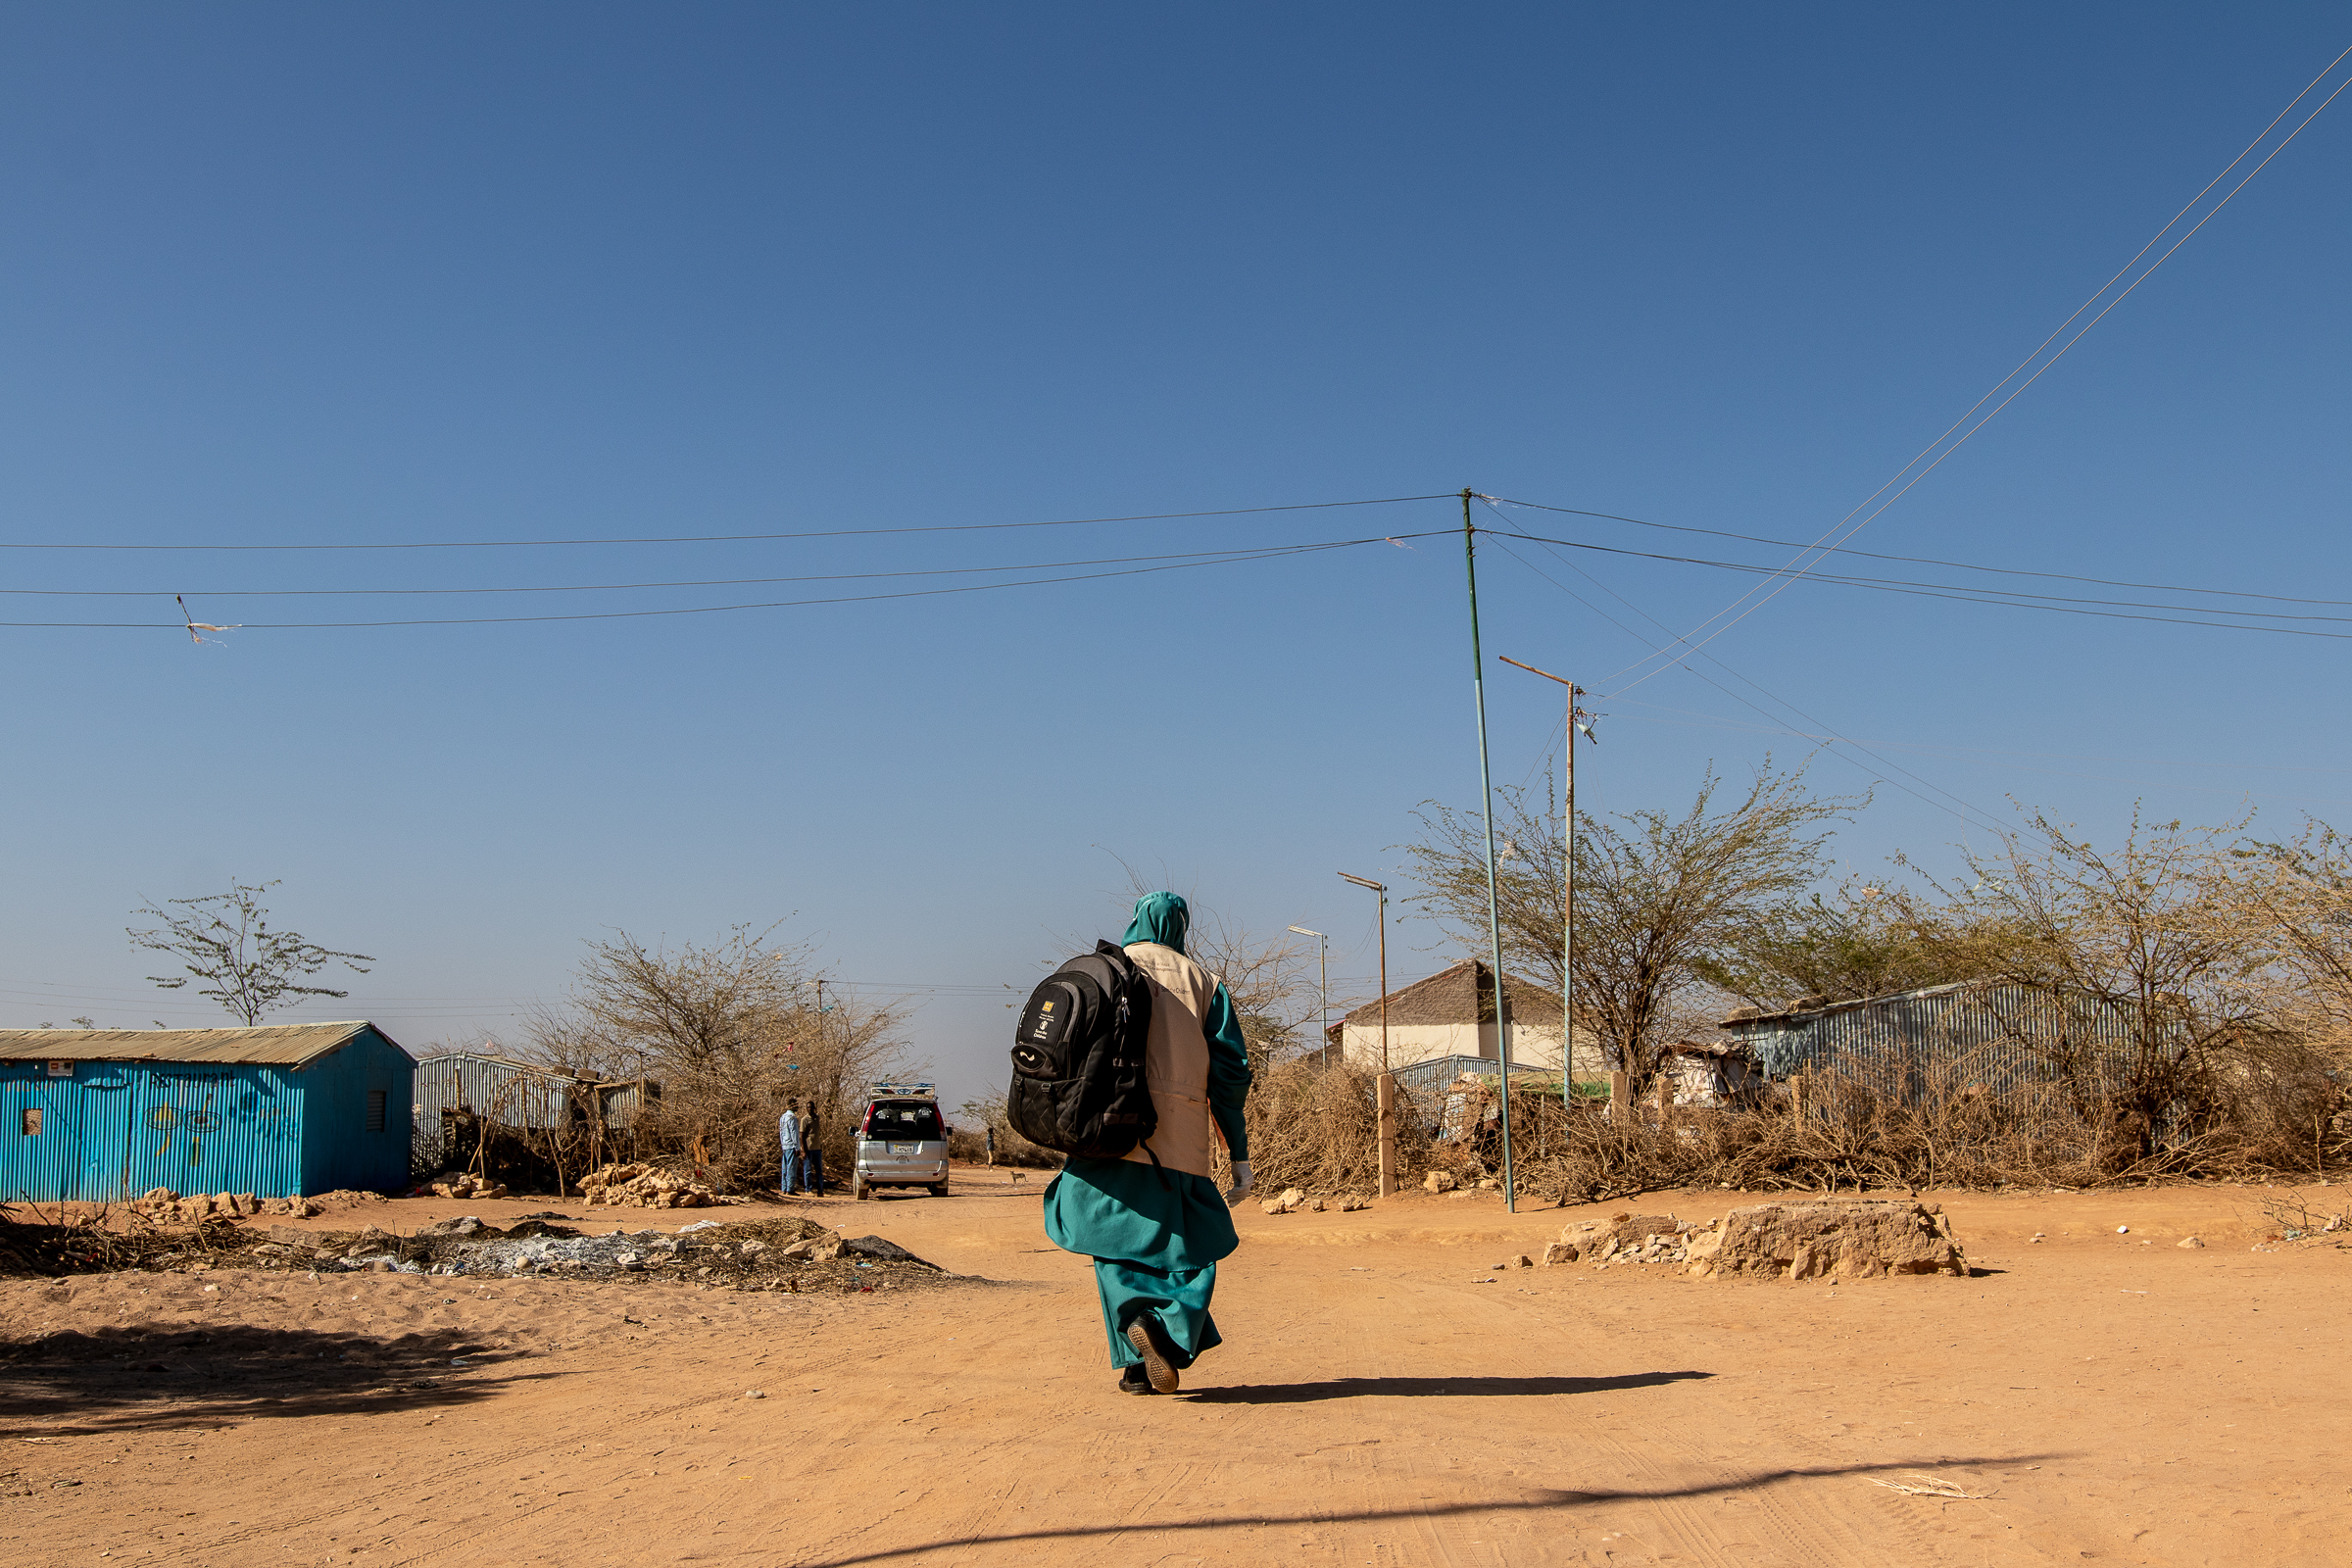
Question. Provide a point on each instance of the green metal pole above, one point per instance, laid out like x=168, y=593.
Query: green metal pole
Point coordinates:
x=1486, y=790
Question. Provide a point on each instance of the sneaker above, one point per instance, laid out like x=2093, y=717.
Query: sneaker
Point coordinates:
x=1132, y=1380
x=1158, y=1368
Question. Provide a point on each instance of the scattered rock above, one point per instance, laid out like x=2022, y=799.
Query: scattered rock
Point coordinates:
x=1621, y=1228
x=1487, y=1184
x=463, y=1184
x=164, y=1204
x=2123, y=1230
x=1350, y=1204
x=456, y=1229
x=1558, y=1252
x=1523, y=1261
x=644, y=1185
x=2037, y=1235
x=754, y=1394
x=2191, y=1241
x=1819, y=1239
x=1287, y=1203
x=875, y=1247
x=1439, y=1181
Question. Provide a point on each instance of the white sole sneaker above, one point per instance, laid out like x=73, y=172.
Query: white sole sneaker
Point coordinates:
x=1156, y=1366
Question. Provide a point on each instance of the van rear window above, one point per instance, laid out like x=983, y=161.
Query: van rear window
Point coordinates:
x=919, y=1121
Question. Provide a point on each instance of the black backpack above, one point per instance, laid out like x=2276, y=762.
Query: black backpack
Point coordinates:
x=1078, y=1058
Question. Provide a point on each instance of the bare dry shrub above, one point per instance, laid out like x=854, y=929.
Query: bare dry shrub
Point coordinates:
x=1852, y=1135
x=1319, y=1131
x=731, y=1031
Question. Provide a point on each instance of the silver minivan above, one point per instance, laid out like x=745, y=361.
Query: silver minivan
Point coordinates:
x=902, y=1141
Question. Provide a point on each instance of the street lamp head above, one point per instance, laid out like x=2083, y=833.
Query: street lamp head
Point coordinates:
x=1305, y=932
x=1365, y=882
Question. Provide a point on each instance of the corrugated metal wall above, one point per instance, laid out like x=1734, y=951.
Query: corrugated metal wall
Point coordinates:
x=215, y=1129
x=515, y=1094
x=113, y=1129
x=348, y=1139
x=1997, y=1038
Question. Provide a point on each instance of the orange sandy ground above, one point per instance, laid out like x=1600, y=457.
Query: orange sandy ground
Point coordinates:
x=1375, y=1402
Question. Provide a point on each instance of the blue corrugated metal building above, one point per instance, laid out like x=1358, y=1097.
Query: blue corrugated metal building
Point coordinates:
x=102, y=1115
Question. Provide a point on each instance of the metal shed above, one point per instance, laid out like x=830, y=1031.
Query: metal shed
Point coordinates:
x=1994, y=1035
x=526, y=1095
x=97, y=1114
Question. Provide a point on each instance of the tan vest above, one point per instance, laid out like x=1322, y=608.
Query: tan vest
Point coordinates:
x=1176, y=1059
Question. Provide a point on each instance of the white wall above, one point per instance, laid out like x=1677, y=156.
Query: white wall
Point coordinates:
x=1536, y=1046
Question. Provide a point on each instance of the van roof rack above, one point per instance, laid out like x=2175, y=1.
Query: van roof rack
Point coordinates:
x=912, y=1090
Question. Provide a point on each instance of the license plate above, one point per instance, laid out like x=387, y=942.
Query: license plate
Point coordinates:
x=902, y=1148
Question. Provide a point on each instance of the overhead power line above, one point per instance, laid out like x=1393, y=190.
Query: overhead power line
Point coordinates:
x=1206, y=557
x=1926, y=560
x=745, y=538
x=1944, y=444
x=1269, y=554
x=2189, y=614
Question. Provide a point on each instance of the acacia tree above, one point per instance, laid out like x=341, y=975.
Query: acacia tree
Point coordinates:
x=1658, y=896
x=729, y=1030
x=225, y=939
x=1862, y=939
x=2158, y=934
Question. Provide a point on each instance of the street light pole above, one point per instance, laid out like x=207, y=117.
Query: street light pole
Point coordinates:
x=1567, y=885
x=1324, y=989
x=1384, y=1085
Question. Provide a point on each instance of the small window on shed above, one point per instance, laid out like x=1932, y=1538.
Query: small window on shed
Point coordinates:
x=375, y=1110
x=29, y=1123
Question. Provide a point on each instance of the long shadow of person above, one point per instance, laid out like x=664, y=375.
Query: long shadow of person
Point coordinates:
x=1427, y=1388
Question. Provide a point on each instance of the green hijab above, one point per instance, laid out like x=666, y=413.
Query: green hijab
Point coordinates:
x=1160, y=917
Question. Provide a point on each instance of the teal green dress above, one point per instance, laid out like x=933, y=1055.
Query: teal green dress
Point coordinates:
x=1155, y=1235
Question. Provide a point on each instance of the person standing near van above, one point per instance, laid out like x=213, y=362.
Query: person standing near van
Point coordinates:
x=812, y=1156
x=788, y=1132
x=1154, y=1220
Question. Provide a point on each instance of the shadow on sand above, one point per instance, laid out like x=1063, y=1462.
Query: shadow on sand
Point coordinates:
x=143, y=1377
x=1428, y=1388
x=1528, y=1500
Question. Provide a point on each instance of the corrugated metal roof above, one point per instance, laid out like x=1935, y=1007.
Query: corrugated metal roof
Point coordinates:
x=286, y=1045
x=1447, y=997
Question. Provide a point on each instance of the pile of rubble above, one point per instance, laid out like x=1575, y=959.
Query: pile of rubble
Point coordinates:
x=1445, y=1181
x=787, y=1255
x=1859, y=1239
x=642, y=1186
x=166, y=1206
x=461, y=1184
x=1292, y=1201
x=1623, y=1238
x=1863, y=1240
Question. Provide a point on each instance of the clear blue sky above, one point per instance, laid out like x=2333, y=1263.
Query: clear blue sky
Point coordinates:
x=301, y=274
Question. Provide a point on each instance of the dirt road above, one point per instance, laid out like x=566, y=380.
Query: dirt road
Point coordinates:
x=1385, y=1396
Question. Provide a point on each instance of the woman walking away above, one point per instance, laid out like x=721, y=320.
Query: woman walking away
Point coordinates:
x=1156, y=1226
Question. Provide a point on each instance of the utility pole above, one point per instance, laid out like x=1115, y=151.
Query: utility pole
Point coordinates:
x=1567, y=885
x=1384, y=1085
x=1324, y=989
x=1486, y=791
